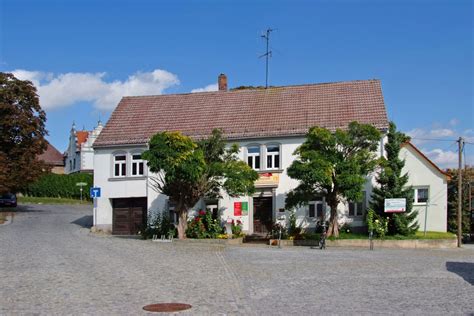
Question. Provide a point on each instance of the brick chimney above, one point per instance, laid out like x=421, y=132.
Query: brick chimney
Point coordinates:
x=222, y=82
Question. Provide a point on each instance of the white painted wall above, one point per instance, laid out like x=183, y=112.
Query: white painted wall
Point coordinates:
x=114, y=187
x=423, y=174
x=420, y=174
x=83, y=156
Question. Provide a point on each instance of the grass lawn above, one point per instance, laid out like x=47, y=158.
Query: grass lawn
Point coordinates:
x=49, y=200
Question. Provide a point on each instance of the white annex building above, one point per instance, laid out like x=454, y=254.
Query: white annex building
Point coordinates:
x=79, y=156
x=268, y=125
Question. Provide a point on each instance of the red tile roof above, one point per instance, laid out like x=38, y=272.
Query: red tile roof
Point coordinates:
x=52, y=156
x=244, y=114
x=81, y=138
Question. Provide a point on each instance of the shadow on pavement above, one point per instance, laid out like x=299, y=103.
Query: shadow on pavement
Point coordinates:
x=24, y=208
x=464, y=269
x=84, y=221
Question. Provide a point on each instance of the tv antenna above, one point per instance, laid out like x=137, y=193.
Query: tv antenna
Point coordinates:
x=267, y=55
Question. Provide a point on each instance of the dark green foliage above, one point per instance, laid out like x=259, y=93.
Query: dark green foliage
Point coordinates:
x=467, y=175
x=392, y=184
x=159, y=225
x=334, y=165
x=60, y=185
x=204, y=226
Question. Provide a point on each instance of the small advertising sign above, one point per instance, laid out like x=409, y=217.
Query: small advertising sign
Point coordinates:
x=237, y=208
x=395, y=205
x=268, y=179
x=245, y=208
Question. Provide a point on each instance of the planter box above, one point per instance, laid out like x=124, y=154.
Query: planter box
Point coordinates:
x=364, y=243
x=233, y=241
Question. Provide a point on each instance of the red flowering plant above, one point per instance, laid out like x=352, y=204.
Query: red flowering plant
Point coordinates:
x=204, y=226
x=236, y=227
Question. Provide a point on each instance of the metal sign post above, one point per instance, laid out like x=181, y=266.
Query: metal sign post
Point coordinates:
x=95, y=193
x=81, y=184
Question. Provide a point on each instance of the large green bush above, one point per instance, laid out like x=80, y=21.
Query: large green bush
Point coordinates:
x=61, y=186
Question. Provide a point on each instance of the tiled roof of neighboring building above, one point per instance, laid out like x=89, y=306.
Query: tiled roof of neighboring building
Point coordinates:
x=81, y=138
x=245, y=114
x=52, y=156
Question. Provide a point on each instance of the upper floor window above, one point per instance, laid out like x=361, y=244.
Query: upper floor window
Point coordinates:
x=253, y=157
x=273, y=157
x=137, y=165
x=420, y=195
x=357, y=208
x=120, y=165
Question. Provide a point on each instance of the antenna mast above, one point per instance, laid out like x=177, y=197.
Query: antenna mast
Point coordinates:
x=267, y=54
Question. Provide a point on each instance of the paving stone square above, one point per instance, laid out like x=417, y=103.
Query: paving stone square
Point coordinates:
x=51, y=264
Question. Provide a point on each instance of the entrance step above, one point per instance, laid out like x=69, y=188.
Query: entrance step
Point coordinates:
x=256, y=239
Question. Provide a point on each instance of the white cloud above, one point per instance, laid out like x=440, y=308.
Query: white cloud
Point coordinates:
x=211, y=87
x=63, y=90
x=442, y=132
x=421, y=136
x=443, y=159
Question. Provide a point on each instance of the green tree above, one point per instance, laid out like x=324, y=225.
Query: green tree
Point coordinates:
x=22, y=131
x=334, y=165
x=392, y=184
x=188, y=170
x=467, y=177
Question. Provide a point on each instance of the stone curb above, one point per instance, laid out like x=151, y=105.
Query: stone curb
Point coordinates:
x=364, y=243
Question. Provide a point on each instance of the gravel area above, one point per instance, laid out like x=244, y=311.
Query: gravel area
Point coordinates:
x=51, y=265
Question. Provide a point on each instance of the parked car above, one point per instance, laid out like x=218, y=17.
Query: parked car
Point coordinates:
x=8, y=199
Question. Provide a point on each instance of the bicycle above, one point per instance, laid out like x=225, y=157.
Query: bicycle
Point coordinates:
x=322, y=238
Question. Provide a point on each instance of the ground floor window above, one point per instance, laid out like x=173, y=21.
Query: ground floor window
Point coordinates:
x=315, y=208
x=358, y=208
x=420, y=195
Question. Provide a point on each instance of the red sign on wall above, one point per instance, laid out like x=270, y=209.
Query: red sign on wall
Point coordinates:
x=237, y=208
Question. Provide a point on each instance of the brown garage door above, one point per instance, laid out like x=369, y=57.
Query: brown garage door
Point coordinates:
x=129, y=215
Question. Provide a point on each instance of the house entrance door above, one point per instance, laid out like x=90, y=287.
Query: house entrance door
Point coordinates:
x=262, y=215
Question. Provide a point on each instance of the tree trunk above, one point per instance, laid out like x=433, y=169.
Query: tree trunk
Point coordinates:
x=333, y=225
x=182, y=222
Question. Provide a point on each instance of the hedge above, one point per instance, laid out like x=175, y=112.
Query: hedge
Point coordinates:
x=61, y=185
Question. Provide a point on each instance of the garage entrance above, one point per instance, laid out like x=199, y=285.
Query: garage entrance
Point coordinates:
x=129, y=215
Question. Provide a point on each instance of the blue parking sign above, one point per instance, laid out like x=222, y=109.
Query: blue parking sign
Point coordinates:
x=95, y=192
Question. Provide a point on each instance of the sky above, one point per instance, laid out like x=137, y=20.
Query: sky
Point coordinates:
x=83, y=56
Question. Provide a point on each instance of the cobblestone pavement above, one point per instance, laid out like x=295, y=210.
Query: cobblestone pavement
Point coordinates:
x=51, y=265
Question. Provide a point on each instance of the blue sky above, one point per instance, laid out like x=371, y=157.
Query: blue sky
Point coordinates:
x=84, y=55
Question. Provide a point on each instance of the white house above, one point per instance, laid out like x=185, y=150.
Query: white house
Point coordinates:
x=267, y=124
x=79, y=156
x=430, y=185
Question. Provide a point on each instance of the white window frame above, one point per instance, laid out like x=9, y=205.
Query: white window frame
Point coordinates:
x=134, y=161
x=253, y=156
x=274, y=157
x=359, y=207
x=415, y=194
x=121, y=163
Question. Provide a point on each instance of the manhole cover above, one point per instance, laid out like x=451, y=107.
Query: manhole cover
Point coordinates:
x=167, y=307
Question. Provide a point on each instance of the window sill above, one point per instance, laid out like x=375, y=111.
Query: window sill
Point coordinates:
x=128, y=178
x=260, y=171
x=419, y=204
